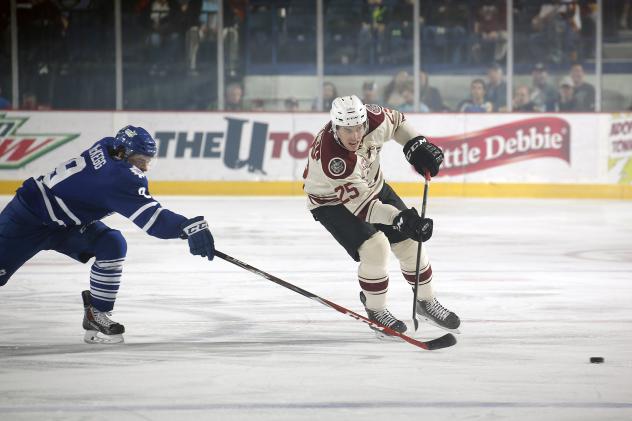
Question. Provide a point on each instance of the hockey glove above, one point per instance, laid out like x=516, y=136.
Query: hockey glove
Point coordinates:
x=196, y=231
x=410, y=224
x=423, y=155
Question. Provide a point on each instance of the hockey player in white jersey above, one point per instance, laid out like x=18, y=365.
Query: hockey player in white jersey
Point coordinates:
x=347, y=194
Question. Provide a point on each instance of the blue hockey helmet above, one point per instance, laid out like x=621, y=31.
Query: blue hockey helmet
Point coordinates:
x=135, y=140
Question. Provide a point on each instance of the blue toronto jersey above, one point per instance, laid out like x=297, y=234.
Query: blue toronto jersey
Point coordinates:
x=93, y=186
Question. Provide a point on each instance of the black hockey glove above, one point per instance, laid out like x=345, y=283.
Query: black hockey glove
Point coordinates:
x=196, y=231
x=423, y=155
x=409, y=223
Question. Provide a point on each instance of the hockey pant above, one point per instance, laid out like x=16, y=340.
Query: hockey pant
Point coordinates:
x=22, y=236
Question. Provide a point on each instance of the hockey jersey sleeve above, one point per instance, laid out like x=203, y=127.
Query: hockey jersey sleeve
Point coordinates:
x=402, y=129
x=132, y=199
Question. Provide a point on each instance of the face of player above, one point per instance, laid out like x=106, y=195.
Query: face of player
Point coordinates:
x=351, y=137
x=142, y=162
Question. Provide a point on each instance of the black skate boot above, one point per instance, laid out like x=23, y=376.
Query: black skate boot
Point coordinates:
x=99, y=328
x=383, y=317
x=436, y=314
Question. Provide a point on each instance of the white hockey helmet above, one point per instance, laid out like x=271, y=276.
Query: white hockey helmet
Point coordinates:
x=347, y=111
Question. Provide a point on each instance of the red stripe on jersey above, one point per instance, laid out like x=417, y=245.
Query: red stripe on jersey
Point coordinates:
x=321, y=200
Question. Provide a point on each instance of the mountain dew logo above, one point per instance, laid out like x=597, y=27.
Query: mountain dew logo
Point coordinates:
x=18, y=149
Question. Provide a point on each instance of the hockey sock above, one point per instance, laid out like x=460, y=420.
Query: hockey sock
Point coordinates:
x=106, y=271
x=406, y=252
x=372, y=272
x=105, y=279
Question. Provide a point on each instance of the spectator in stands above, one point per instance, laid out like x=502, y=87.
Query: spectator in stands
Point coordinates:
x=372, y=35
x=5, y=104
x=583, y=92
x=399, y=33
x=330, y=92
x=291, y=104
x=556, y=29
x=443, y=31
x=543, y=93
x=369, y=93
x=163, y=37
x=408, y=94
x=430, y=95
x=42, y=31
x=393, y=91
x=566, y=100
x=257, y=105
x=30, y=102
x=496, y=89
x=189, y=13
x=476, y=103
x=522, y=100
x=490, y=33
x=234, y=97
x=624, y=21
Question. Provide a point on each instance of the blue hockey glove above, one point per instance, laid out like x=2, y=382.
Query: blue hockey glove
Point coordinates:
x=409, y=223
x=196, y=231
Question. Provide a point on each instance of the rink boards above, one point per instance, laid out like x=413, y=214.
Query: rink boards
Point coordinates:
x=205, y=153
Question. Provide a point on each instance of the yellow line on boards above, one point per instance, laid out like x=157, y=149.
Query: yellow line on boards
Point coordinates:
x=407, y=189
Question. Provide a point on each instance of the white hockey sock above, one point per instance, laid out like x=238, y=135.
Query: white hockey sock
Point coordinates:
x=406, y=252
x=373, y=271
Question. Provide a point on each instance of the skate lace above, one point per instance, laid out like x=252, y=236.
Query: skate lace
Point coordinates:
x=385, y=317
x=437, y=310
x=101, y=317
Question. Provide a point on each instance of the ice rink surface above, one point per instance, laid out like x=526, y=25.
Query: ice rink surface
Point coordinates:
x=540, y=285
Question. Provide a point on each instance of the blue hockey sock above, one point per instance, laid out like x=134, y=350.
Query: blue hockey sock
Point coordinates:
x=105, y=278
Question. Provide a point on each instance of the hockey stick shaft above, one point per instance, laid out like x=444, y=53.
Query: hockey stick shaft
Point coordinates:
x=419, y=242
x=442, y=342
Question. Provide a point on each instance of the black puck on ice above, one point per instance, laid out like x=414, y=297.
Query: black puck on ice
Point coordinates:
x=596, y=360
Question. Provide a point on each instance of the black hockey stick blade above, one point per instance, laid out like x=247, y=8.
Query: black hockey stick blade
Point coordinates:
x=438, y=343
x=444, y=341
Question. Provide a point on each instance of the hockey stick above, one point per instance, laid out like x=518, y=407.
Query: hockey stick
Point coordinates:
x=423, y=214
x=441, y=342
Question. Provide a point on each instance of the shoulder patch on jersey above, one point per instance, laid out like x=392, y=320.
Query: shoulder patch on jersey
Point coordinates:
x=373, y=108
x=337, y=166
x=137, y=172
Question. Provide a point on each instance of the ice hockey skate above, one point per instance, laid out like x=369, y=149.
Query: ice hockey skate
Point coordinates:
x=383, y=317
x=433, y=312
x=99, y=328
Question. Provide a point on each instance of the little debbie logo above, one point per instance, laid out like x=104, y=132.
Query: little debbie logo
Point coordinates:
x=18, y=149
x=505, y=144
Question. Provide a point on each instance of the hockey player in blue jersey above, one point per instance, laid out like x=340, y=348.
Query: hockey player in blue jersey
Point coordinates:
x=61, y=211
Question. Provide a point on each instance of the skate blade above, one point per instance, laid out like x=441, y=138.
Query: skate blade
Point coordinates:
x=430, y=321
x=95, y=337
x=385, y=337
